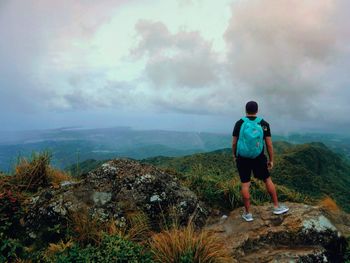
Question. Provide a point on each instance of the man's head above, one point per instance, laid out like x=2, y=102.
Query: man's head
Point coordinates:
x=251, y=107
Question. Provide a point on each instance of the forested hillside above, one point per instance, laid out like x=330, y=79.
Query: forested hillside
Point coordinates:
x=311, y=169
x=302, y=171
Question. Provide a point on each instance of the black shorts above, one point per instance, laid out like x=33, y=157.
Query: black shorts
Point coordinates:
x=258, y=165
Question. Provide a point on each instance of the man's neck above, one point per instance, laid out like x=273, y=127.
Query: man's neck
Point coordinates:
x=251, y=115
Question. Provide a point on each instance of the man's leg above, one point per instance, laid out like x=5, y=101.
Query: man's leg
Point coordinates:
x=270, y=187
x=244, y=170
x=261, y=171
x=246, y=196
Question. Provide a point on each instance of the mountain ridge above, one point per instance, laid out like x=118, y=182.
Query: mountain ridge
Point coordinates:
x=70, y=146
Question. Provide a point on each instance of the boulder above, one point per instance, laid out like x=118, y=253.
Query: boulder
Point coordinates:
x=303, y=234
x=114, y=190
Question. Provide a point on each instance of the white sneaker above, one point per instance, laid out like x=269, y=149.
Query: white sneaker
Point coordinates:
x=247, y=217
x=280, y=210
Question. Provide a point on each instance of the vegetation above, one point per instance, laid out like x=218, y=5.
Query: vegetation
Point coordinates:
x=214, y=178
x=84, y=167
x=329, y=205
x=303, y=173
x=85, y=239
x=308, y=173
x=316, y=171
x=185, y=245
x=347, y=253
x=112, y=248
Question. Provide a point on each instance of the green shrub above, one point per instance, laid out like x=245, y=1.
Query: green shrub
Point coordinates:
x=187, y=256
x=347, y=251
x=111, y=249
x=10, y=249
x=231, y=193
x=220, y=191
x=207, y=184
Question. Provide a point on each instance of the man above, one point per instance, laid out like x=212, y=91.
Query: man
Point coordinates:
x=249, y=136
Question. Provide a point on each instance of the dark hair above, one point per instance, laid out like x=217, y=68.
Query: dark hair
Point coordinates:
x=251, y=107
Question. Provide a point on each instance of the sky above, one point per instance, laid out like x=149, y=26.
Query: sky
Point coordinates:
x=174, y=64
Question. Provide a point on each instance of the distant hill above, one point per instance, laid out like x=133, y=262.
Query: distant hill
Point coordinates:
x=70, y=146
x=336, y=142
x=315, y=170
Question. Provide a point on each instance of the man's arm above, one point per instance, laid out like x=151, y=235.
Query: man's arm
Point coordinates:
x=269, y=147
x=234, y=146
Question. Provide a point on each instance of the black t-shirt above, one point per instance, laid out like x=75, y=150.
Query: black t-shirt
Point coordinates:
x=265, y=126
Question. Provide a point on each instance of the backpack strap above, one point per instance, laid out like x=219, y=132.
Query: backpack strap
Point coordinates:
x=257, y=119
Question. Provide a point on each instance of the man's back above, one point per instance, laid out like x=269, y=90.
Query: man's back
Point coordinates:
x=264, y=125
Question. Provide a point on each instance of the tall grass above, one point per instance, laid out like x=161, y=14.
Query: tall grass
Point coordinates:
x=87, y=230
x=232, y=192
x=30, y=174
x=221, y=190
x=90, y=230
x=137, y=228
x=187, y=245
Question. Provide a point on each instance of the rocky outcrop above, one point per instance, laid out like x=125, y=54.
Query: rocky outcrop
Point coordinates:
x=113, y=190
x=121, y=187
x=304, y=234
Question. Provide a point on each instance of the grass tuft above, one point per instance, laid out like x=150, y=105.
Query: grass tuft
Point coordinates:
x=136, y=229
x=139, y=228
x=187, y=245
x=53, y=248
x=57, y=176
x=87, y=230
x=328, y=204
x=30, y=174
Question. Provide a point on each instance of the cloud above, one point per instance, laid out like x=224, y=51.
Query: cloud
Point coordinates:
x=280, y=50
x=54, y=59
x=184, y=71
x=183, y=59
x=87, y=95
x=291, y=56
x=35, y=37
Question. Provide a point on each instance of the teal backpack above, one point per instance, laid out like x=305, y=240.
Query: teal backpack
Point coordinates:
x=251, y=138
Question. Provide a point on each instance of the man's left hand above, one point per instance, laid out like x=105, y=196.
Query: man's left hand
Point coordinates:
x=270, y=165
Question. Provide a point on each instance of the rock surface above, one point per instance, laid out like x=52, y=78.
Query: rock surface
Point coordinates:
x=113, y=190
x=304, y=234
